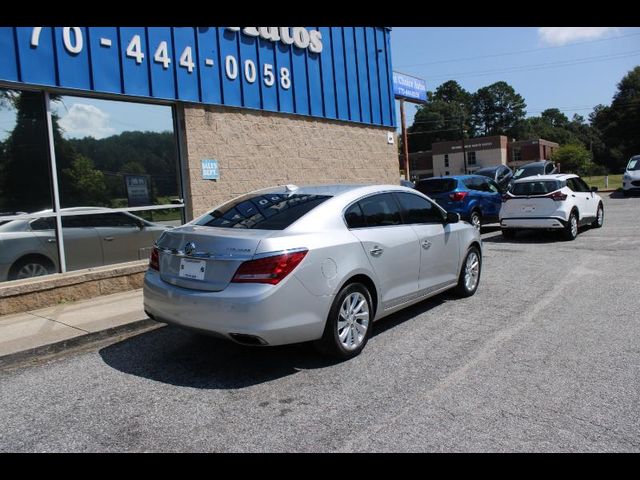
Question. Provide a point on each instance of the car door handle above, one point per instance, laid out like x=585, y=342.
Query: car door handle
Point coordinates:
x=376, y=251
x=109, y=239
x=51, y=240
x=425, y=244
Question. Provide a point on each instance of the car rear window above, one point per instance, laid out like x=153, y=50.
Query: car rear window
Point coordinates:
x=269, y=211
x=528, y=172
x=436, y=185
x=536, y=187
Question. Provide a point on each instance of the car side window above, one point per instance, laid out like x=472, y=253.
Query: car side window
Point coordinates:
x=549, y=168
x=471, y=183
x=416, y=209
x=492, y=187
x=571, y=184
x=381, y=210
x=583, y=185
x=114, y=220
x=44, y=224
x=354, y=217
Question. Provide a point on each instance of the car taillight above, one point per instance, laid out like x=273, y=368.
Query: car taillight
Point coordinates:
x=558, y=196
x=457, y=196
x=154, y=260
x=268, y=270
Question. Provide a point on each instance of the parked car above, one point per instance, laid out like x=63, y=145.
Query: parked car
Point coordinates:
x=476, y=198
x=560, y=202
x=318, y=263
x=542, y=167
x=28, y=247
x=631, y=177
x=501, y=174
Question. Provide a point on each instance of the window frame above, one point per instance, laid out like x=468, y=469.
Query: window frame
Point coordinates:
x=57, y=211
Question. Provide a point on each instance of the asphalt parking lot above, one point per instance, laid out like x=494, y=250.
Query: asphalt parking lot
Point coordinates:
x=545, y=357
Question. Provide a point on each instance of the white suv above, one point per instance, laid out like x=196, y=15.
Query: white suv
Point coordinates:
x=556, y=202
x=631, y=177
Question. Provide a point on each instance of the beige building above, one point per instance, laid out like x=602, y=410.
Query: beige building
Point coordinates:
x=449, y=157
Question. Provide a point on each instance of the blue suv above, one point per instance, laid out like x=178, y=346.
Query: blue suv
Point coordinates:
x=476, y=198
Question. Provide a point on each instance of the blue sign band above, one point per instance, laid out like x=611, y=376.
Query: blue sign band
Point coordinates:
x=329, y=72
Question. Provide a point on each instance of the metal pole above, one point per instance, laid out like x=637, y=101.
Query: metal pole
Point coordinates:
x=464, y=153
x=54, y=180
x=405, y=145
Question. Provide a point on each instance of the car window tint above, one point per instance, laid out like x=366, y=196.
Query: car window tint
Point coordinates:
x=416, y=209
x=44, y=224
x=582, y=185
x=354, y=217
x=492, y=187
x=436, y=185
x=571, y=183
x=266, y=211
x=471, y=183
x=78, y=221
x=113, y=220
x=540, y=187
x=381, y=210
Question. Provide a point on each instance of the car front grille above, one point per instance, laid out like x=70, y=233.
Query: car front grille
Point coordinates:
x=636, y=183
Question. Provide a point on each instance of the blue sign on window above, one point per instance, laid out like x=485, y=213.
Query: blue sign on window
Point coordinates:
x=210, y=170
x=408, y=87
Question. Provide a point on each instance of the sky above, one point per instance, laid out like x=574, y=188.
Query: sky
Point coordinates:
x=569, y=68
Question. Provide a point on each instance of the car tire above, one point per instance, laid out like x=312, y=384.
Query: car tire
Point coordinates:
x=509, y=233
x=469, y=277
x=475, y=219
x=570, y=231
x=599, y=221
x=29, y=267
x=342, y=337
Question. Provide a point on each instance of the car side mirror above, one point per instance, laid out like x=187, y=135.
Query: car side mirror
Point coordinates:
x=452, y=217
x=594, y=189
x=141, y=225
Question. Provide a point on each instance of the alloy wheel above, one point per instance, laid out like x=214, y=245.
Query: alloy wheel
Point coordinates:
x=471, y=271
x=353, y=321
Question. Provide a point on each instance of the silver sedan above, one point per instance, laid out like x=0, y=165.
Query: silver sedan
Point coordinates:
x=320, y=263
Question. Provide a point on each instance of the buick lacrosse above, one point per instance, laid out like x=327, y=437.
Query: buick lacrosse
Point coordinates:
x=317, y=263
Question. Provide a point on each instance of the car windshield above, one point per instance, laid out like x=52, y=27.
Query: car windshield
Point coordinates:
x=266, y=211
x=524, y=172
x=540, y=187
x=634, y=164
x=436, y=185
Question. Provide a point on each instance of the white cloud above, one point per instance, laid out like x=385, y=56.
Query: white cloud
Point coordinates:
x=558, y=36
x=84, y=120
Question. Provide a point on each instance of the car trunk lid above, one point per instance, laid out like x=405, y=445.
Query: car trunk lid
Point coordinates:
x=205, y=258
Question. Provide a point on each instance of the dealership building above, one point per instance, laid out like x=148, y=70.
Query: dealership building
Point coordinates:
x=108, y=135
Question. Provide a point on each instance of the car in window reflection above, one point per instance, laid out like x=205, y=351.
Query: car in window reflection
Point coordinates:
x=28, y=248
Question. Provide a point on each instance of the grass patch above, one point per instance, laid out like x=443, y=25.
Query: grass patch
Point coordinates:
x=615, y=181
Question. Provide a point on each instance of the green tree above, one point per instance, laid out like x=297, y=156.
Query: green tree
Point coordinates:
x=573, y=158
x=619, y=123
x=439, y=119
x=86, y=185
x=497, y=110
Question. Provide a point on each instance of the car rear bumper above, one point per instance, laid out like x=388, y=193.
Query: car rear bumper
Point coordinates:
x=276, y=315
x=533, y=222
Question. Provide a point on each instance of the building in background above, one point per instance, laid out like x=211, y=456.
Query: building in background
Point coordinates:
x=486, y=152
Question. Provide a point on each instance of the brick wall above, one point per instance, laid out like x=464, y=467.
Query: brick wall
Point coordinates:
x=257, y=149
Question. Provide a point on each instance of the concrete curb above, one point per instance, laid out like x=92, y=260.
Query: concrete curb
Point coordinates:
x=46, y=352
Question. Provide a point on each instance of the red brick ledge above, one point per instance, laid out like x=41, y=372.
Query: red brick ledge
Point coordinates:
x=30, y=294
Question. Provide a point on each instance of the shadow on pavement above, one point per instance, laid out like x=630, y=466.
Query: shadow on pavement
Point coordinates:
x=618, y=194
x=183, y=358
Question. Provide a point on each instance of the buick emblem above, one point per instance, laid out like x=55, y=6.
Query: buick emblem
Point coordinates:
x=190, y=248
